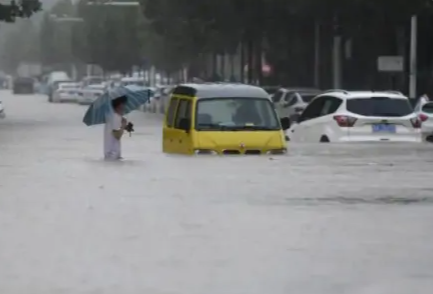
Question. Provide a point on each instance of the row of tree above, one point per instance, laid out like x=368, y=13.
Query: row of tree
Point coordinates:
x=188, y=33
x=77, y=33
x=281, y=30
x=9, y=12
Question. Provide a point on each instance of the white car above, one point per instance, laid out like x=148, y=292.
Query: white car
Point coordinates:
x=2, y=111
x=424, y=109
x=66, y=92
x=291, y=101
x=90, y=93
x=357, y=116
x=137, y=81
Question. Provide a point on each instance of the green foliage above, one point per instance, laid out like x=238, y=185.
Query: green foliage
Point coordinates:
x=19, y=9
x=109, y=36
x=55, y=35
x=21, y=46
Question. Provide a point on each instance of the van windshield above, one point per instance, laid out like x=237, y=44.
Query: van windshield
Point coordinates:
x=235, y=114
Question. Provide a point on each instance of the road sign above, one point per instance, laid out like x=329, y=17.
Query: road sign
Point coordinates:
x=390, y=63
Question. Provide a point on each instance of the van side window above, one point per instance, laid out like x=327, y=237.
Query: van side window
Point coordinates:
x=183, y=111
x=171, y=112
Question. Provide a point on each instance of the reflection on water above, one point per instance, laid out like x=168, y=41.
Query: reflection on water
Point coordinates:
x=353, y=200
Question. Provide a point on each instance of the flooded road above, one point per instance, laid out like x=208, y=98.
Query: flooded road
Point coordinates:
x=324, y=219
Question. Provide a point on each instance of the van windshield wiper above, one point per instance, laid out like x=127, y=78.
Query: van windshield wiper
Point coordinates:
x=254, y=128
x=234, y=128
x=212, y=127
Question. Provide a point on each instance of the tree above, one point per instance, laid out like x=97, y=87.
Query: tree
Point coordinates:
x=21, y=46
x=109, y=36
x=56, y=35
x=19, y=9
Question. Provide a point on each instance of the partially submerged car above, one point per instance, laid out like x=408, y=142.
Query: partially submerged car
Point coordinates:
x=2, y=111
x=66, y=92
x=23, y=85
x=89, y=94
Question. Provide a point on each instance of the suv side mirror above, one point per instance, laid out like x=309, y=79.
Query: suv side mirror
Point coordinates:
x=285, y=123
x=185, y=124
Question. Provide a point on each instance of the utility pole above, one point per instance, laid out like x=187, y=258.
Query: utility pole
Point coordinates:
x=336, y=54
x=317, y=54
x=413, y=56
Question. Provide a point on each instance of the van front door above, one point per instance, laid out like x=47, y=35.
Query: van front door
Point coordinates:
x=169, y=144
x=182, y=137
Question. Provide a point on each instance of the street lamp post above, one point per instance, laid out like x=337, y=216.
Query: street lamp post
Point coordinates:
x=413, y=57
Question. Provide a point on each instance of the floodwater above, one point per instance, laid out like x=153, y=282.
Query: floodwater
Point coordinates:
x=323, y=219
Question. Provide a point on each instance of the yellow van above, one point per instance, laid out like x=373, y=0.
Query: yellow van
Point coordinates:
x=222, y=119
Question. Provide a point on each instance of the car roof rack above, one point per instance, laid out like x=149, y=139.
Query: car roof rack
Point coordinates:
x=336, y=90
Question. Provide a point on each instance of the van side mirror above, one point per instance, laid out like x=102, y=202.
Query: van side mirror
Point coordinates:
x=285, y=123
x=185, y=124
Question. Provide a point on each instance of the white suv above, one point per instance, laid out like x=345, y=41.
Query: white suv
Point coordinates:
x=357, y=116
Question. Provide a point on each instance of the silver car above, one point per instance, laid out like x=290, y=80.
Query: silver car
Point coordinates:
x=424, y=109
x=2, y=111
x=290, y=102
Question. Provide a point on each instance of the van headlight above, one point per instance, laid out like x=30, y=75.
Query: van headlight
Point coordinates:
x=279, y=151
x=205, y=152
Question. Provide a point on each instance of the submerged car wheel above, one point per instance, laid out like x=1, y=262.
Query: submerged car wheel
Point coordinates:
x=324, y=139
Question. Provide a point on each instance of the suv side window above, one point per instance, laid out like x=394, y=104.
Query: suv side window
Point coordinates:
x=171, y=111
x=291, y=99
x=330, y=105
x=313, y=110
x=183, y=111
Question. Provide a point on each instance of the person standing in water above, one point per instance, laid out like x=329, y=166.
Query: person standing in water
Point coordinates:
x=115, y=125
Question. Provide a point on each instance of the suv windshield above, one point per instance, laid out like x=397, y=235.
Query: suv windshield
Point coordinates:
x=234, y=114
x=379, y=106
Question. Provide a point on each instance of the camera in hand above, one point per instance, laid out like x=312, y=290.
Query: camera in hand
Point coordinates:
x=129, y=127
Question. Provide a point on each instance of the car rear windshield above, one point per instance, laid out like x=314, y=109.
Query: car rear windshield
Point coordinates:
x=428, y=108
x=379, y=106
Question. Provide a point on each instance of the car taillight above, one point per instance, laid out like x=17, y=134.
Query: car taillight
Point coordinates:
x=423, y=117
x=345, y=121
x=416, y=122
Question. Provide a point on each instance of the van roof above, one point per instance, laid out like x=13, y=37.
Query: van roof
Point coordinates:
x=220, y=90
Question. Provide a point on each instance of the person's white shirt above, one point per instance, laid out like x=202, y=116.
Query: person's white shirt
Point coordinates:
x=112, y=146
